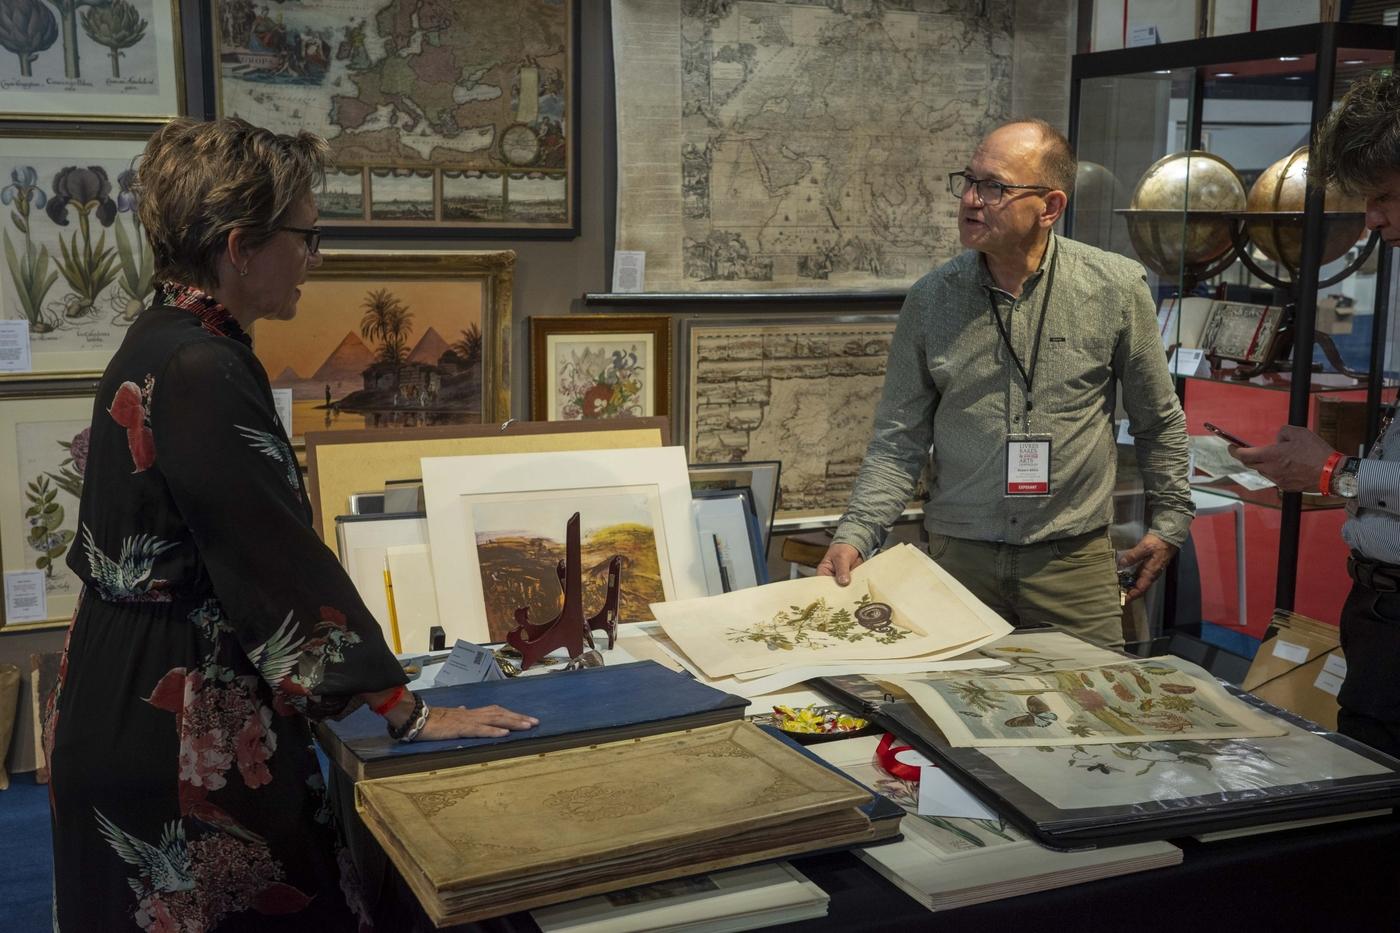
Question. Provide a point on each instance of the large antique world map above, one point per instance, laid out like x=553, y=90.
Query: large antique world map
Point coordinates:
x=444, y=112
x=793, y=144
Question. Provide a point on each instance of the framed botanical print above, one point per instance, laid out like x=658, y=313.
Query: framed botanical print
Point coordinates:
x=394, y=340
x=459, y=118
x=119, y=60
x=588, y=366
x=801, y=391
x=77, y=265
x=43, y=453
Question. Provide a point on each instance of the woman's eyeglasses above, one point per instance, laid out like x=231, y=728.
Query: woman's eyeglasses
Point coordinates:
x=311, y=234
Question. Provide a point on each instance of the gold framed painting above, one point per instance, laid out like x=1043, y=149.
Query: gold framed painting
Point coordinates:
x=455, y=120
x=599, y=366
x=119, y=61
x=77, y=266
x=43, y=453
x=395, y=340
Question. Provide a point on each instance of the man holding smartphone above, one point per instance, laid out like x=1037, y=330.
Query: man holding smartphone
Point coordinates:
x=1005, y=366
x=1358, y=149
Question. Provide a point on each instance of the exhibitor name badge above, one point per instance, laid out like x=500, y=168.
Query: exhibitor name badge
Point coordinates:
x=1028, y=466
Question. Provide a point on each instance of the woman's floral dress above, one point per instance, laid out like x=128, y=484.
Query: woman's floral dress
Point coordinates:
x=213, y=625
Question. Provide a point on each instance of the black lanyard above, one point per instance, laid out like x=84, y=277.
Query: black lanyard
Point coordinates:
x=1027, y=376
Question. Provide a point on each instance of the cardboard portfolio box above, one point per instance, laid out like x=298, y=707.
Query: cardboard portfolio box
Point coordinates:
x=1299, y=667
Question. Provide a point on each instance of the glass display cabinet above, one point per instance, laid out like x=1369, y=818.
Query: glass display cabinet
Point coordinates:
x=1274, y=300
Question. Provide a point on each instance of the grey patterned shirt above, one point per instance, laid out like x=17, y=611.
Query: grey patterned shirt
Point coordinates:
x=951, y=386
x=1374, y=525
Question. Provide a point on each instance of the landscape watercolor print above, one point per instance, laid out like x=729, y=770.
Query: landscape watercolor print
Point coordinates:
x=520, y=541
x=365, y=353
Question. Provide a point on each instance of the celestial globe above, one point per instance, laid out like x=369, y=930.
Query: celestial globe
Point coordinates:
x=1193, y=180
x=1283, y=187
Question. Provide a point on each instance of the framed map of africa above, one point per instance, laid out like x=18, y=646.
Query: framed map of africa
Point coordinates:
x=454, y=117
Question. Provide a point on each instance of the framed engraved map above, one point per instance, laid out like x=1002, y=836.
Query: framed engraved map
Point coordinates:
x=802, y=391
x=451, y=118
x=781, y=145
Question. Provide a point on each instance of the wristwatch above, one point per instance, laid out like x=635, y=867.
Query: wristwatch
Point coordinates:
x=1344, y=479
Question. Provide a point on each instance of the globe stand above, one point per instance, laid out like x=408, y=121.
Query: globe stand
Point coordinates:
x=1281, y=347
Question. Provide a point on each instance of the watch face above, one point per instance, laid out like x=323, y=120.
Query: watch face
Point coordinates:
x=1344, y=484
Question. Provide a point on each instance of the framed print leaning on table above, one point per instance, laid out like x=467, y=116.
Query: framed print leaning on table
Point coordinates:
x=395, y=340
x=43, y=453
x=77, y=267
x=118, y=60
x=586, y=366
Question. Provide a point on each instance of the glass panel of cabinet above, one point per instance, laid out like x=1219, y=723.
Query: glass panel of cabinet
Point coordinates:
x=1274, y=306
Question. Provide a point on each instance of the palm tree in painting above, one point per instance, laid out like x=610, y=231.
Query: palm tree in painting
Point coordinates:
x=468, y=348
x=388, y=321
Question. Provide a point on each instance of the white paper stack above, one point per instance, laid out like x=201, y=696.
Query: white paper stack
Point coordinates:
x=901, y=613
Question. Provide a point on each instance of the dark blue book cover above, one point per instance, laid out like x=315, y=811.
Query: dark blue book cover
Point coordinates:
x=600, y=704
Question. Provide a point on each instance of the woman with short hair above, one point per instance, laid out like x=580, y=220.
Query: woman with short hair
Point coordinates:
x=213, y=623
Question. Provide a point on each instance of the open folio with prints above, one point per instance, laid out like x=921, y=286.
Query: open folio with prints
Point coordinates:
x=1069, y=795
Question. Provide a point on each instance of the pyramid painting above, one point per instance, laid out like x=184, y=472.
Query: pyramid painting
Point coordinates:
x=396, y=353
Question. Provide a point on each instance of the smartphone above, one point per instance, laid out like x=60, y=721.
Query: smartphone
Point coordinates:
x=1238, y=442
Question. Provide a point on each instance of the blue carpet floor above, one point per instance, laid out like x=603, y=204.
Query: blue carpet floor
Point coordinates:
x=26, y=885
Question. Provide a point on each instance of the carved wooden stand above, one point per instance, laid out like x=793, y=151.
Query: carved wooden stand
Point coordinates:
x=569, y=629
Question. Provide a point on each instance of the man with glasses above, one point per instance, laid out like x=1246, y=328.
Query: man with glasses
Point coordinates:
x=1004, y=370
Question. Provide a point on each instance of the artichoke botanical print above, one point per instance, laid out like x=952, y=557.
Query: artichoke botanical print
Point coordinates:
x=117, y=26
x=27, y=27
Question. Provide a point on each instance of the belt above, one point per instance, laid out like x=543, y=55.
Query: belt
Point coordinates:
x=1372, y=574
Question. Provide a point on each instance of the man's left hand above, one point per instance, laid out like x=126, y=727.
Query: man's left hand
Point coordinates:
x=1153, y=554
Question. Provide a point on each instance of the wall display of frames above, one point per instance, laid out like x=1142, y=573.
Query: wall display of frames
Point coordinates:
x=458, y=123
x=120, y=60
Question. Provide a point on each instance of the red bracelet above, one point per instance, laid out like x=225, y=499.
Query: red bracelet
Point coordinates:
x=383, y=708
x=1324, y=483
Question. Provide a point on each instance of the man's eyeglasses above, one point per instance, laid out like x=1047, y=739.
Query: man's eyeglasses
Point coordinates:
x=312, y=235
x=989, y=191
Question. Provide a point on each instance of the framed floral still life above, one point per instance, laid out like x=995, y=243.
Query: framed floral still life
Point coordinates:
x=111, y=60
x=602, y=366
x=43, y=453
x=456, y=119
x=76, y=263
x=395, y=340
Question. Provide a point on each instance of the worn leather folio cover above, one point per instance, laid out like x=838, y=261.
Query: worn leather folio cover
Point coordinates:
x=491, y=838
x=622, y=701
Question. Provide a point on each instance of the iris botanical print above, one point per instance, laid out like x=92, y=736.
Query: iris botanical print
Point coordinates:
x=77, y=265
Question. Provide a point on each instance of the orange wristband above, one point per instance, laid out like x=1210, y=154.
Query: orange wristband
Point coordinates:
x=1324, y=483
x=383, y=708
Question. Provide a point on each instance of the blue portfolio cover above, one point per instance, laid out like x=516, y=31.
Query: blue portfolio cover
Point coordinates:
x=599, y=704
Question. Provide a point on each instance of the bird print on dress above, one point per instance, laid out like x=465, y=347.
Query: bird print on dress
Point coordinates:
x=129, y=576
x=131, y=409
x=270, y=445
x=163, y=867
x=277, y=657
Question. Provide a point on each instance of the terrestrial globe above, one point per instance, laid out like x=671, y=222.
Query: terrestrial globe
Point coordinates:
x=1283, y=187
x=1169, y=242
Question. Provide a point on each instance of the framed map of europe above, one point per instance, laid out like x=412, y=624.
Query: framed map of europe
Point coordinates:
x=454, y=117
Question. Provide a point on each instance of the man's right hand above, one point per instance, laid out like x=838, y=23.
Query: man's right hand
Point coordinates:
x=839, y=561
